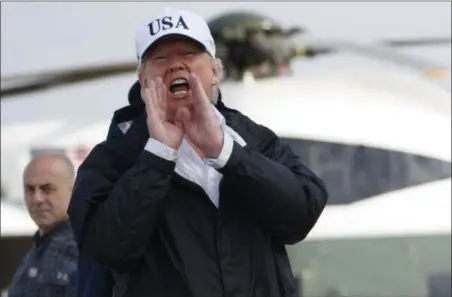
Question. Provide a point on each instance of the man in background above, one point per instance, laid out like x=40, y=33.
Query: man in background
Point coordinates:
x=49, y=268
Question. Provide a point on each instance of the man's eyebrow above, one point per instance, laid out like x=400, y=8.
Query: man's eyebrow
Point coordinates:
x=38, y=185
x=156, y=52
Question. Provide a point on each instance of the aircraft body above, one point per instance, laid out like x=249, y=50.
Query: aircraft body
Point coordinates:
x=344, y=108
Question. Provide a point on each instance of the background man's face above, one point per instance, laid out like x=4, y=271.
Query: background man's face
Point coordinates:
x=47, y=186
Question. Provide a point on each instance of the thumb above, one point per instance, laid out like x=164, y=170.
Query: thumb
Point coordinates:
x=193, y=82
x=197, y=91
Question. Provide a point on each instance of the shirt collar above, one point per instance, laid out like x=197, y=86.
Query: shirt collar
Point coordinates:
x=60, y=228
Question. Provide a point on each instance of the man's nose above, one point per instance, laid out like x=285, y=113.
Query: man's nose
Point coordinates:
x=176, y=65
x=38, y=196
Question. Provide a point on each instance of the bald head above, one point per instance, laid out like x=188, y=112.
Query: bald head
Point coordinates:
x=53, y=162
x=48, y=181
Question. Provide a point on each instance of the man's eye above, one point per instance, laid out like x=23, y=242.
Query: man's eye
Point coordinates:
x=47, y=190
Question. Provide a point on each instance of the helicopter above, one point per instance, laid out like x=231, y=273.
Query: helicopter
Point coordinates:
x=247, y=43
x=380, y=171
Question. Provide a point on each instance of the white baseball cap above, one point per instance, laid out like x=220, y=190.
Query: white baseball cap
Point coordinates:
x=174, y=22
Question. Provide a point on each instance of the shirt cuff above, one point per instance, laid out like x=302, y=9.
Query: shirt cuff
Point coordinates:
x=225, y=154
x=161, y=150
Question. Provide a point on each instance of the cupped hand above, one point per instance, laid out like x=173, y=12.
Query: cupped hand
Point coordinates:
x=160, y=128
x=200, y=123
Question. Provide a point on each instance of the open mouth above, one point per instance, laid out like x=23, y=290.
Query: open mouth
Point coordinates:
x=179, y=87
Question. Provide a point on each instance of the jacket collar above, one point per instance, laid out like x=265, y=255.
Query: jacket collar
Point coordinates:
x=134, y=96
x=59, y=229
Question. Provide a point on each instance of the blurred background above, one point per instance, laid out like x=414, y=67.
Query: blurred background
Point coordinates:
x=361, y=91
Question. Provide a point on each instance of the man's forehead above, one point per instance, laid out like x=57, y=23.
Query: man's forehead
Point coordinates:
x=44, y=171
x=42, y=164
x=40, y=182
x=40, y=176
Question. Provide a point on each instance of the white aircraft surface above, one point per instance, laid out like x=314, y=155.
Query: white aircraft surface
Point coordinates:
x=381, y=110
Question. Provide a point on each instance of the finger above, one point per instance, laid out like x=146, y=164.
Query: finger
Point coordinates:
x=150, y=103
x=151, y=97
x=142, y=91
x=197, y=91
x=146, y=93
x=153, y=92
x=158, y=90
x=162, y=93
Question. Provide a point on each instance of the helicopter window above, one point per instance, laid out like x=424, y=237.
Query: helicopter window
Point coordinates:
x=359, y=172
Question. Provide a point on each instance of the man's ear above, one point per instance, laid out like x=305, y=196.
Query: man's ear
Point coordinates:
x=217, y=71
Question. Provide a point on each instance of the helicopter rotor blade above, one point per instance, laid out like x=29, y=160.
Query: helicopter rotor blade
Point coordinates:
x=22, y=84
x=373, y=51
x=428, y=41
x=15, y=85
x=317, y=49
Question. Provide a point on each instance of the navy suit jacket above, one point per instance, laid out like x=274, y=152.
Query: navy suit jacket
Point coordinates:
x=93, y=280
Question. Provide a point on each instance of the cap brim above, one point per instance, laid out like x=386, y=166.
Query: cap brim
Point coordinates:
x=169, y=36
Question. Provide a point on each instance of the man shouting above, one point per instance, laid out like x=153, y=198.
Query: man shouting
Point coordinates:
x=186, y=197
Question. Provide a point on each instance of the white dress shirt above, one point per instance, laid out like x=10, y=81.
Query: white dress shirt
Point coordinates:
x=200, y=171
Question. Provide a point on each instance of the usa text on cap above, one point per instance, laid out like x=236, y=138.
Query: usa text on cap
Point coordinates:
x=174, y=22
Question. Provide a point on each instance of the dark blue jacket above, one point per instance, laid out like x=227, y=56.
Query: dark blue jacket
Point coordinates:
x=162, y=236
x=53, y=258
x=93, y=280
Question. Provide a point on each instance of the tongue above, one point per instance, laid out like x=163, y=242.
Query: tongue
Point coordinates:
x=179, y=90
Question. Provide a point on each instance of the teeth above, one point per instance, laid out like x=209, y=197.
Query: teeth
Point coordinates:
x=179, y=81
x=180, y=93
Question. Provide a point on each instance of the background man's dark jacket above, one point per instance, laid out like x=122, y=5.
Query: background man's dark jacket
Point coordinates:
x=163, y=236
